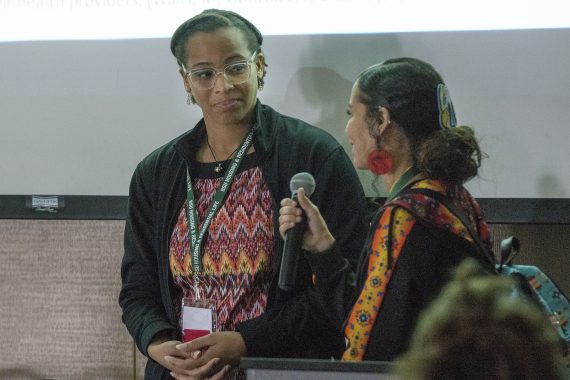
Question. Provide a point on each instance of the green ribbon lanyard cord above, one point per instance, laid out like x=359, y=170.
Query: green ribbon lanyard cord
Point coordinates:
x=197, y=237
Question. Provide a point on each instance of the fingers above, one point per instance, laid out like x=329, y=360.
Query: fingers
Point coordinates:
x=291, y=211
x=321, y=239
x=289, y=214
x=305, y=202
x=195, y=344
x=188, y=358
x=211, y=355
x=317, y=237
x=187, y=370
x=311, y=211
x=195, y=354
x=159, y=351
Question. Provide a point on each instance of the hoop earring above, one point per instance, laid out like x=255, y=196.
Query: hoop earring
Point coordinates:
x=379, y=162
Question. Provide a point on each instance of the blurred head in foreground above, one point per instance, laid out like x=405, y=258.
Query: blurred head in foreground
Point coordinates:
x=479, y=329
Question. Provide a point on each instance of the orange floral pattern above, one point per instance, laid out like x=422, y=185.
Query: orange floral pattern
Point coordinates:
x=364, y=312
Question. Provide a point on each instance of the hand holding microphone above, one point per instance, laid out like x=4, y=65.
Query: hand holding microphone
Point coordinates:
x=308, y=231
x=317, y=237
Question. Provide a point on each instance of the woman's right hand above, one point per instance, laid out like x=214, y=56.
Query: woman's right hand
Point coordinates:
x=317, y=236
x=160, y=350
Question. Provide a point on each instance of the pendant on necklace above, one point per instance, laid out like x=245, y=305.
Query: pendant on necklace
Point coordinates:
x=218, y=167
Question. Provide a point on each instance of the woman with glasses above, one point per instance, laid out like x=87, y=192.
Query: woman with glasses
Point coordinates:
x=402, y=128
x=202, y=245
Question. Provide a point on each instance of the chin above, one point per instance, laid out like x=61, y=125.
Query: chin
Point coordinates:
x=231, y=117
x=359, y=164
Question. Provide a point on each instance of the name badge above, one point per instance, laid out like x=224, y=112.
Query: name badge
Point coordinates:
x=198, y=318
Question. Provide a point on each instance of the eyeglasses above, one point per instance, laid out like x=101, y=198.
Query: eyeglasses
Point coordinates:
x=234, y=73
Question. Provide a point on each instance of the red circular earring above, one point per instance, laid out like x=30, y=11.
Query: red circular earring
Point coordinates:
x=379, y=162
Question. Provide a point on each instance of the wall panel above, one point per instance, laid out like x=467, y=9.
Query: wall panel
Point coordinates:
x=59, y=316
x=60, y=279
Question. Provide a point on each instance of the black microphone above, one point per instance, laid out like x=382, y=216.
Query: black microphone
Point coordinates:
x=294, y=237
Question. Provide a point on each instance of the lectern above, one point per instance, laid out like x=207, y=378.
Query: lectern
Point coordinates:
x=309, y=369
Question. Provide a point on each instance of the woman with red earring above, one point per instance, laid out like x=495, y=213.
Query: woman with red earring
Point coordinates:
x=402, y=128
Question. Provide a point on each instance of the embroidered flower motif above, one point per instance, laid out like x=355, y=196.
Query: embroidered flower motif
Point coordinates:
x=375, y=281
x=363, y=318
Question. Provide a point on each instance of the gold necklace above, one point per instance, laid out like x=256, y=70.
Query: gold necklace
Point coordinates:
x=219, y=167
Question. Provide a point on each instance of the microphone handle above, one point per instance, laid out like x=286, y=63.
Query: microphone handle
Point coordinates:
x=291, y=255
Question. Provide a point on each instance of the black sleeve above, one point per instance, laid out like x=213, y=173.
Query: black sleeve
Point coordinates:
x=335, y=282
x=336, y=279
x=140, y=297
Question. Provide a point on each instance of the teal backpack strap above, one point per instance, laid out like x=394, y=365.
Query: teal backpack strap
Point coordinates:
x=548, y=295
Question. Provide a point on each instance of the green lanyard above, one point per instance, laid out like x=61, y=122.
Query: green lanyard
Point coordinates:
x=197, y=237
x=401, y=183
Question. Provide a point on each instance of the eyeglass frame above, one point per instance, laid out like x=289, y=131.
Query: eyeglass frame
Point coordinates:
x=188, y=73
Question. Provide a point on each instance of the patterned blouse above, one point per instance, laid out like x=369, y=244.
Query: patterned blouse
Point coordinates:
x=237, y=250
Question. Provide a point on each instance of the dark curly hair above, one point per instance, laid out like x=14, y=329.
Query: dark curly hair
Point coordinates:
x=211, y=20
x=408, y=88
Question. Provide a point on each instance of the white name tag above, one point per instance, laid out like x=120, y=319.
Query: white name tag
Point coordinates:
x=197, y=319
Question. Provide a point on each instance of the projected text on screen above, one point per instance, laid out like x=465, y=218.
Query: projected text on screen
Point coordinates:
x=24, y=20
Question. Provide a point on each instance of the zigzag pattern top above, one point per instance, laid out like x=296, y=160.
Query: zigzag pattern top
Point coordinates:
x=237, y=250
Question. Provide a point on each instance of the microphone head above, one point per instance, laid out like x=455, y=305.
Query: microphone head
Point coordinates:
x=304, y=180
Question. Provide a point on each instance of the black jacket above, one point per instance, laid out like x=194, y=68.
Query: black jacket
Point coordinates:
x=293, y=324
